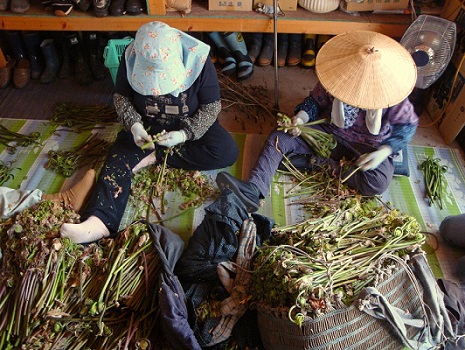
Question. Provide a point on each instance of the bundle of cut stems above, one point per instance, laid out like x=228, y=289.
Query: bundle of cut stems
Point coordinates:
x=13, y=139
x=323, y=262
x=58, y=295
x=91, y=152
x=433, y=173
x=321, y=142
x=81, y=117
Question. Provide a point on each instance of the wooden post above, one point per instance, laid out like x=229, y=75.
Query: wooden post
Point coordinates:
x=156, y=7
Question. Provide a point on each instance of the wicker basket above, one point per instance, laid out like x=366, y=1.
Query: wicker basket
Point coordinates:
x=319, y=6
x=347, y=328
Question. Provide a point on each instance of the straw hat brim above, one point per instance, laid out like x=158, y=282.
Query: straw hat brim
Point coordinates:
x=366, y=69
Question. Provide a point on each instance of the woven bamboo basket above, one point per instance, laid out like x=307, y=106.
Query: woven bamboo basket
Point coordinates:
x=347, y=328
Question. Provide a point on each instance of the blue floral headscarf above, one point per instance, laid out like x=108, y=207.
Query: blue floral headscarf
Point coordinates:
x=164, y=60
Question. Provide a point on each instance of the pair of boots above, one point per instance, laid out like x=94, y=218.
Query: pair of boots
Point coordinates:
x=84, y=54
x=311, y=44
x=262, y=49
x=232, y=54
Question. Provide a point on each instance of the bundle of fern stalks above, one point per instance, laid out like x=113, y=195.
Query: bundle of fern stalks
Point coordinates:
x=58, y=295
x=345, y=243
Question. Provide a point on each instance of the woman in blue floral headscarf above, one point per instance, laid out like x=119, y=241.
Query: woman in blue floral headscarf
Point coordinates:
x=166, y=83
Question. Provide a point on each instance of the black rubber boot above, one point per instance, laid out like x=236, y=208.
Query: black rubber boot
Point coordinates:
x=32, y=42
x=17, y=45
x=66, y=68
x=283, y=46
x=101, y=8
x=266, y=54
x=52, y=64
x=81, y=67
x=95, y=62
x=294, y=54
x=255, y=45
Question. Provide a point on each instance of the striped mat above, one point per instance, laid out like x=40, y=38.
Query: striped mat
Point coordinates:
x=404, y=193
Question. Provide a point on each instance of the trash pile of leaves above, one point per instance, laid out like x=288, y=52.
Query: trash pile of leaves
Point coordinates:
x=58, y=295
x=323, y=262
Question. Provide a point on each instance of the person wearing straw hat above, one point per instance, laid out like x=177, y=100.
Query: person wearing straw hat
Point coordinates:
x=365, y=79
x=167, y=95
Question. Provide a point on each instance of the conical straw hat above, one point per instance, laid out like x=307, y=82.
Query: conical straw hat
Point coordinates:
x=366, y=69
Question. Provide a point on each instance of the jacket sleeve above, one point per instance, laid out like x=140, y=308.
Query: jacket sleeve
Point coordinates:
x=197, y=125
x=404, y=123
x=317, y=101
x=127, y=114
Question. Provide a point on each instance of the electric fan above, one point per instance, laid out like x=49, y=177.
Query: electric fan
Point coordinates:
x=431, y=41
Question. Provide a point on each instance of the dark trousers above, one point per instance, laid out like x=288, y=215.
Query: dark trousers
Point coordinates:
x=215, y=150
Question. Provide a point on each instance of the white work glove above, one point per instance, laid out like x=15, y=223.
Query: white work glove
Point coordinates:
x=299, y=119
x=372, y=160
x=141, y=137
x=172, y=138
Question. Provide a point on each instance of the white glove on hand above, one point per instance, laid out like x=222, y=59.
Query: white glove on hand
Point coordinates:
x=141, y=137
x=370, y=161
x=299, y=119
x=172, y=138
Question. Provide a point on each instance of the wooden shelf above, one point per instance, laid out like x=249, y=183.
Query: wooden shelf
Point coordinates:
x=200, y=19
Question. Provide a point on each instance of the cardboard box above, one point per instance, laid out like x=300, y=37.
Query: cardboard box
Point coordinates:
x=452, y=114
x=230, y=5
x=284, y=5
x=375, y=5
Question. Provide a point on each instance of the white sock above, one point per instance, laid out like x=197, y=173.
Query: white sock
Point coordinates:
x=88, y=231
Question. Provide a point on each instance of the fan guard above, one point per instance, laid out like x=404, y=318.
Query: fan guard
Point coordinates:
x=431, y=41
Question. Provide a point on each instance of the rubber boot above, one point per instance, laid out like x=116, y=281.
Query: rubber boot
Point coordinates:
x=255, y=45
x=66, y=70
x=225, y=56
x=81, y=67
x=32, y=42
x=236, y=43
x=321, y=40
x=52, y=64
x=213, y=50
x=294, y=54
x=309, y=51
x=96, y=65
x=283, y=46
x=266, y=53
x=17, y=45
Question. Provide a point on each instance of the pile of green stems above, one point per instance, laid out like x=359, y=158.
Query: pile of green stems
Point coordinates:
x=58, y=295
x=323, y=262
x=435, y=179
